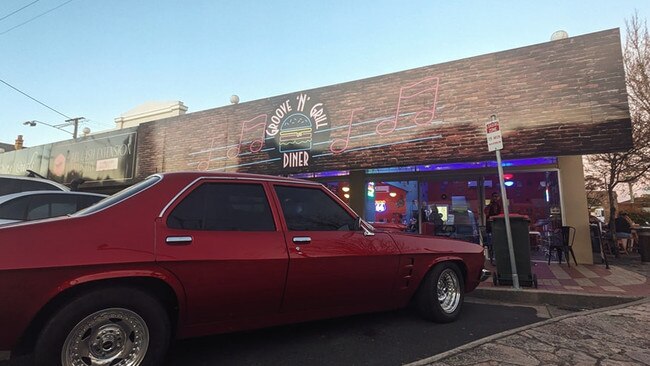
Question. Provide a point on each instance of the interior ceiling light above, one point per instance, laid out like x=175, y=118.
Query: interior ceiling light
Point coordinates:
x=345, y=189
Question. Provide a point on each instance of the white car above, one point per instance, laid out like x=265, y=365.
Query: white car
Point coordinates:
x=34, y=205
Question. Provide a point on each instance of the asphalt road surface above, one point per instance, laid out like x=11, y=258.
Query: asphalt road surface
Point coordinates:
x=392, y=338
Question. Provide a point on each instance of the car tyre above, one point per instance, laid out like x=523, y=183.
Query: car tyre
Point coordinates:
x=441, y=294
x=124, y=326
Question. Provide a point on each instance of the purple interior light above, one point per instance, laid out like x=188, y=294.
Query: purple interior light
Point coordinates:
x=434, y=167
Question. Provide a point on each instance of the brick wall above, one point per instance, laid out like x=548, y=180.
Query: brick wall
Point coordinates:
x=564, y=97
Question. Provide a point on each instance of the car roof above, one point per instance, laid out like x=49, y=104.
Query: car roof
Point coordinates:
x=35, y=179
x=192, y=175
x=11, y=196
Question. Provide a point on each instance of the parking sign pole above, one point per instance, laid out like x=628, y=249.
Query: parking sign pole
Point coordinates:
x=506, y=214
x=495, y=143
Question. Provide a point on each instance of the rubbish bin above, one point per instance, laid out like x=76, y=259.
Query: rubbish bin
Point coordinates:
x=521, y=246
x=644, y=242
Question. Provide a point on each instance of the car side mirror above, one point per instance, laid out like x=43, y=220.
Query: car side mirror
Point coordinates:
x=367, y=229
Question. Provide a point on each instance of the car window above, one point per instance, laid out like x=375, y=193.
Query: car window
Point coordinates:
x=30, y=185
x=16, y=209
x=121, y=195
x=15, y=185
x=86, y=201
x=311, y=209
x=8, y=186
x=224, y=207
x=47, y=205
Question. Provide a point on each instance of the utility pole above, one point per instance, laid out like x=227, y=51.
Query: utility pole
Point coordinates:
x=75, y=123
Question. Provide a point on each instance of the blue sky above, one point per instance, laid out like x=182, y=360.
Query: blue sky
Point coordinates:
x=101, y=58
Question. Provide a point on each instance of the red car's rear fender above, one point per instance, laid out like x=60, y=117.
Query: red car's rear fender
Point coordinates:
x=162, y=285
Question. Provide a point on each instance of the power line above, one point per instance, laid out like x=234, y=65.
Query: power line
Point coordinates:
x=8, y=15
x=34, y=18
x=101, y=124
x=34, y=99
x=50, y=108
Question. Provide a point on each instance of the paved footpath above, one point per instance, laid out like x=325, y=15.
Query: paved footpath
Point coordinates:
x=626, y=279
x=618, y=335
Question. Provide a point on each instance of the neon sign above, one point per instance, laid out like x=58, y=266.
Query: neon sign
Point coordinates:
x=380, y=205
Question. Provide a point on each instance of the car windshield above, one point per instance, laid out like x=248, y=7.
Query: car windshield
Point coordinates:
x=119, y=196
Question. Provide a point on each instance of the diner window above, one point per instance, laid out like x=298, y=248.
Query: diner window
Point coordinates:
x=391, y=202
x=224, y=207
x=310, y=209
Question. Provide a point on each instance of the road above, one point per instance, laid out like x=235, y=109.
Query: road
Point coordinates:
x=391, y=338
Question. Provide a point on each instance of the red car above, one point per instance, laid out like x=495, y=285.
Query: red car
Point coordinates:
x=188, y=254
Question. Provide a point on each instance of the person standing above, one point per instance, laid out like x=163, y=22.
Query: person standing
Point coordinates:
x=493, y=209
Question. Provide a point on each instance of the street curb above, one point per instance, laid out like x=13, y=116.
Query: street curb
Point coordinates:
x=482, y=341
x=572, y=300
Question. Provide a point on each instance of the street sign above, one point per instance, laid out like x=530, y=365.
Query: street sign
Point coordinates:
x=493, y=134
x=495, y=143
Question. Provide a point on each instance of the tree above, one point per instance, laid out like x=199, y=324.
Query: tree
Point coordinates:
x=592, y=185
x=633, y=165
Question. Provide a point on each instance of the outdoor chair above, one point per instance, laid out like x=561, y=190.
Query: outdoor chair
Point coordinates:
x=624, y=244
x=562, y=243
x=600, y=243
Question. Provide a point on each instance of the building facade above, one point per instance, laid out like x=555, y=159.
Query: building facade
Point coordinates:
x=410, y=143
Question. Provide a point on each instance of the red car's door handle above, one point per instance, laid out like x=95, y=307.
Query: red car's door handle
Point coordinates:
x=178, y=240
x=302, y=240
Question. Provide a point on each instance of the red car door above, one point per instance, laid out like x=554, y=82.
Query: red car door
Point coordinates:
x=333, y=267
x=222, y=240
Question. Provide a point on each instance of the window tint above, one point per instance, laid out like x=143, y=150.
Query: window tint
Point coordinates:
x=30, y=185
x=86, y=201
x=310, y=209
x=47, y=205
x=224, y=207
x=8, y=185
x=16, y=209
x=38, y=212
x=15, y=185
x=122, y=195
x=63, y=208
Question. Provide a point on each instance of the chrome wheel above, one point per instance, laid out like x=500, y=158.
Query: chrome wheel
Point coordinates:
x=449, y=290
x=115, y=337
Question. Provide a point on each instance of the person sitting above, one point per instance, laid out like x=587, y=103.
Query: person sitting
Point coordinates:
x=412, y=225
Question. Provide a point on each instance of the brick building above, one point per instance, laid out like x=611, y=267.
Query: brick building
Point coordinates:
x=419, y=134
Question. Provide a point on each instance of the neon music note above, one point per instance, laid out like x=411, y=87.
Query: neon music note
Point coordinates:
x=204, y=165
x=257, y=143
x=345, y=141
x=428, y=85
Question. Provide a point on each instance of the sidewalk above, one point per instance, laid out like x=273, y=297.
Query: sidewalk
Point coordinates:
x=615, y=332
x=627, y=276
x=616, y=336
